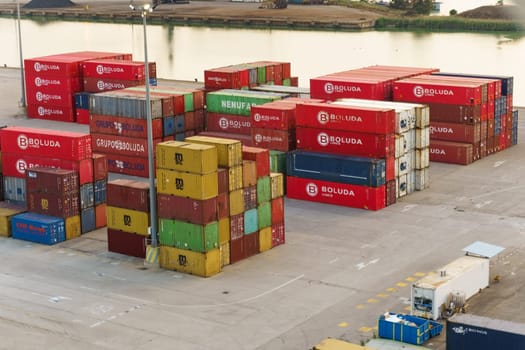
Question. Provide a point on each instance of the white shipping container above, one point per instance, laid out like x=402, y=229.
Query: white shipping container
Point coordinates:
x=422, y=179
x=400, y=144
x=421, y=159
x=422, y=138
x=401, y=186
x=430, y=295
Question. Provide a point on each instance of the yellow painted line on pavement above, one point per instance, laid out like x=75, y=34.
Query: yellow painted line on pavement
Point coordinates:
x=360, y=306
x=408, y=308
x=419, y=274
x=410, y=279
x=372, y=301
x=391, y=290
x=382, y=295
x=343, y=324
x=401, y=284
x=365, y=329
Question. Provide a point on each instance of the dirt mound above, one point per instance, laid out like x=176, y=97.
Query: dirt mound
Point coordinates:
x=506, y=12
x=42, y=4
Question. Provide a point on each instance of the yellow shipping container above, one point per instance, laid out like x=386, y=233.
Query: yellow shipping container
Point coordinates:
x=185, y=156
x=235, y=179
x=236, y=202
x=5, y=220
x=265, y=239
x=249, y=173
x=195, y=186
x=335, y=344
x=73, y=228
x=229, y=151
x=224, y=230
x=128, y=220
x=187, y=261
x=225, y=254
x=276, y=185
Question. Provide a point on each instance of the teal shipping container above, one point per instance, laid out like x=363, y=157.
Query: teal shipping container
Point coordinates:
x=251, y=221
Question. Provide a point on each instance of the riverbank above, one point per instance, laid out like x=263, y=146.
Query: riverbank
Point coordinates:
x=251, y=15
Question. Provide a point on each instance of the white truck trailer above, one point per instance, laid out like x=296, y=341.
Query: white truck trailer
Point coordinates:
x=431, y=295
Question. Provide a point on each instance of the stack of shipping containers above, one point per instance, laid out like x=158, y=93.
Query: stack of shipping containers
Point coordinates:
x=118, y=123
x=228, y=112
x=187, y=186
x=52, y=81
x=128, y=217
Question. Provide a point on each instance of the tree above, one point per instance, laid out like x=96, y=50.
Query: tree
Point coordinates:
x=399, y=4
x=422, y=7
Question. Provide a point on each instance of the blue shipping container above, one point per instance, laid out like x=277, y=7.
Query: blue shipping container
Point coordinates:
x=337, y=168
x=38, y=228
x=471, y=332
x=179, y=123
x=87, y=195
x=100, y=191
x=82, y=100
x=507, y=82
x=251, y=223
x=404, y=328
x=168, y=126
x=87, y=220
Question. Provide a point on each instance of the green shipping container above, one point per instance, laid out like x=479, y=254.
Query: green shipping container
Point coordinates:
x=263, y=189
x=264, y=215
x=197, y=238
x=166, y=233
x=287, y=82
x=251, y=221
x=238, y=102
x=277, y=162
x=261, y=74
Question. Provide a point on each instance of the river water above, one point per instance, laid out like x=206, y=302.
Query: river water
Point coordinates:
x=185, y=52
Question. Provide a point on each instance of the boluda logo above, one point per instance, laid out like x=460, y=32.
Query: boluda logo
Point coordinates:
x=102, y=85
x=437, y=151
x=257, y=117
x=420, y=91
x=441, y=129
x=331, y=190
x=223, y=123
x=100, y=69
x=25, y=142
x=323, y=117
x=330, y=88
x=108, y=70
x=45, y=67
x=120, y=145
x=258, y=138
x=311, y=189
x=21, y=166
x=324, y=140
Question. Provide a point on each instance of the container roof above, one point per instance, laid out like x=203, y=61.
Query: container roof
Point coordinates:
x=483, y=249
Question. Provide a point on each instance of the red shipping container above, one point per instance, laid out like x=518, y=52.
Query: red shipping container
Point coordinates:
x=52, y=180
x=129, y=194
x=126, y=243
x=100, y=166
x=451, y=152
x=199, y=119
x=454, y=113
x=470, y=133
x=334, y=87
x=50, y=112
x=341, y=117
x=274, y=115
x=228, y=123
x=114, y=69
x=104, y=84
x=279, y=140
x=101, y=219
x=122, y=126
x=46, y=142
x=345, y=142
x=55, y=65
x=62, y=205
x=427, y=91
x=278, y=235
x=222, y=78
x=51, y=99
x=52, y=84
x=128, y=165
x=490, y=128
x=390, y=192
x=237, y=252
x=390, y=168
x=372, y=198
x=82, y=116
x=236, y=226
x=251, y=244
x=189, y=120
x=16, y=164
x=261, y=156
x=199, y=212
x=476, y=151
x=121, y=145
x=223, y=205
x=223, y=180
x=277, y=210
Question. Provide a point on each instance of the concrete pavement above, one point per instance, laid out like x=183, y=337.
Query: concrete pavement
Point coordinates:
x=338, y=271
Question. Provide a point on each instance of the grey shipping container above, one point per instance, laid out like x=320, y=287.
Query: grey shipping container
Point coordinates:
x=472, y=332
x=15, y=189
x=100, y=191
x=87, y=195
x=87, y=220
